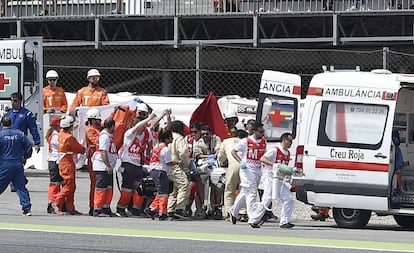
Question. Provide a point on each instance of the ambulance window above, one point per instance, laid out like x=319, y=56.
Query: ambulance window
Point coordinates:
x=10, y=75
x=353, y=125
x=279, y=116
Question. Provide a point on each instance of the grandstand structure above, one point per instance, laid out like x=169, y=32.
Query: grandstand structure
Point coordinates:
x=258, y=23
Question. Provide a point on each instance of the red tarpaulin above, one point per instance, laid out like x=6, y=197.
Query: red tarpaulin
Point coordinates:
x=208, y=113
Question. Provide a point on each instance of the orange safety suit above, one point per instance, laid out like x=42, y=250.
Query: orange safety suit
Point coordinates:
x=88, y=96
x=54, y=99
x=68, y=147
x=92, y=139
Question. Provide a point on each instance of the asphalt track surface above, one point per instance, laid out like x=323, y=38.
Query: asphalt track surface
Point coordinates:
x=44, y=232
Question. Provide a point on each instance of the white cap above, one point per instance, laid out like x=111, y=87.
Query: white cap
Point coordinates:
x=141, y=107
x=52, y=74
x=93, y=72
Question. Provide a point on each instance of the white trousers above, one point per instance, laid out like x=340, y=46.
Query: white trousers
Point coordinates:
x=266, y=183
x=288, y=203
x=283, y=193
x=249, y=180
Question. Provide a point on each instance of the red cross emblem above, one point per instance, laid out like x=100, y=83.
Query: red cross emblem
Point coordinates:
x=276, y=118
x=4, y=81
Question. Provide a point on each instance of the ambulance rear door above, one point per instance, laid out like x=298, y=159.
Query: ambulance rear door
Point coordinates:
x=21, y=70
x=278, y=106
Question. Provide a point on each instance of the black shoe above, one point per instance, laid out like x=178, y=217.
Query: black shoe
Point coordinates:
x=120, y=212
x=136, y=212
x=50, y=208
x=27, y=213
x=315, y=209
x=99, y=213
x=263, y=220
x=91, y=212
x=318, y=217
x=163, y=217
x=232, y=218
x=287, y=225
x=254, y=225
x=73, y=212
x=179, y=214
x=188, y=212
x=170, y=216
x=151, y=214
x=108, y=211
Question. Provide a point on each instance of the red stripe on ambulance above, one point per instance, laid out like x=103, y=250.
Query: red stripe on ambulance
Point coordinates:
x=344, y=165
x=296, y=90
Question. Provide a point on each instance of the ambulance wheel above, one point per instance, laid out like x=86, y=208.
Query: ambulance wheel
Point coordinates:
x=404, y=221
x=351, y=218
x=200, y=214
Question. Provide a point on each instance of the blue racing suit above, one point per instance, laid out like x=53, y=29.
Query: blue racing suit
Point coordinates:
x=14, y=147
x=24, y=120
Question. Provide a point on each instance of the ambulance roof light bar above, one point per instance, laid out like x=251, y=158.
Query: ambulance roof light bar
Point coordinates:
x=332, y=69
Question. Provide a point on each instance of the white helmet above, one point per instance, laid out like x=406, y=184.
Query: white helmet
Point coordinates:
x=230, y=113
x=66, y=122
x=93, y=72
x=93, y=113
x=141, y=107
x=72, y=118
x=52, y=74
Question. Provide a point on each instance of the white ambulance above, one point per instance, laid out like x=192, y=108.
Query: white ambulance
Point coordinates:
x=345, y=146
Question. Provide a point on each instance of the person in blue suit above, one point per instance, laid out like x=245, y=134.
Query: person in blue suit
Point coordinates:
x=23, y=119
x=15, y=148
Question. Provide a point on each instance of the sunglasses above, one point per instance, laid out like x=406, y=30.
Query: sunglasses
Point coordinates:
x=142, y=113
x=194, y=131
x=52, y=80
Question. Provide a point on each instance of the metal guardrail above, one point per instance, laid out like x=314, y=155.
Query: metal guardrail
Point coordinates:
x=30, y=8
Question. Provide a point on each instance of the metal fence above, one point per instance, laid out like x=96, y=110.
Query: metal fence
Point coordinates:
x=29, y=8
x=196, y=70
